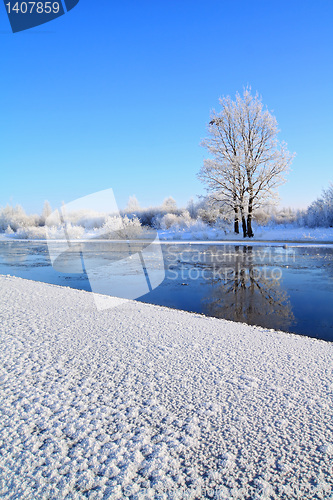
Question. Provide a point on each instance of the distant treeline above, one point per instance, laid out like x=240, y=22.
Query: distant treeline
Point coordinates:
x=197, y=215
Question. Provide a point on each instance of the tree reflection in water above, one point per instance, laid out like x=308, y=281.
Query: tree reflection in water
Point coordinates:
x=246, y=293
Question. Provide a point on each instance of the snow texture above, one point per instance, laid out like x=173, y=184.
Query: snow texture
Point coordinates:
x=145, y=402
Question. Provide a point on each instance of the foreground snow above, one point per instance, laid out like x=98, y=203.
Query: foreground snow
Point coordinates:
x=141, y=401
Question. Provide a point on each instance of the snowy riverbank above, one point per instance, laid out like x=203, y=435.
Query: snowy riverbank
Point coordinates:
x=287, y=233
x=141, y=401
x=273, y=233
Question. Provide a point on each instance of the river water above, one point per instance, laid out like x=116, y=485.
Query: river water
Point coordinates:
x=283, y=287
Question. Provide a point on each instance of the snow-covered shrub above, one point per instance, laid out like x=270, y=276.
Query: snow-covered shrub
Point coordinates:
x=207, y=216
x=262, y=217
x=270, y=216
x=151, y=216
x=58, y=233
x=30, y=233
x=122, y=228
x=168, y=221
x=74, y=232
x=210, y=211
x=88, y=219
x=148, y=216
x=284, y=216
x=113, y=224
x=15, y=217
x=184, y=226
x=176, y=221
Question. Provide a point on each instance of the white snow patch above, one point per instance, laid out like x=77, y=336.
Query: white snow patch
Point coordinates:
x=122, y=403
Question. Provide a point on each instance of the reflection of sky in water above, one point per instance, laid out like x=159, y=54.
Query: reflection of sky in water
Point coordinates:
x=197, y=280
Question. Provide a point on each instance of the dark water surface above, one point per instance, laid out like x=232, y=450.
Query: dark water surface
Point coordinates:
x=284, y=287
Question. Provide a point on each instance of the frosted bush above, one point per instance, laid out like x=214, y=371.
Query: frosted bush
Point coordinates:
x=262, y=217
x=151, y=216
x=122, y=228
x=168, y=221
x=89, y=219
x=209, y=214
x=198, y=225
x=72, y=232
x=30, y=233
x=284, y=216
x=15, y=217
x=54, y=232
x=176, y=222
x=180, y=224
x=113, y=224
x=148, y=216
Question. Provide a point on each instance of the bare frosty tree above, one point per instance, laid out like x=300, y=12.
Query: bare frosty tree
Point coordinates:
x=132, y=205
x=320, y=212
x=47, y=211
x=248, y=163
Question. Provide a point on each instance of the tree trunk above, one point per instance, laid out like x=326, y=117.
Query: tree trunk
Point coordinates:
x=249, y=219
x=244, y=226
x=236, y=223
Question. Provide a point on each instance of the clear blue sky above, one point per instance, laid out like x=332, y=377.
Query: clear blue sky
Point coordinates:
x=118, y=94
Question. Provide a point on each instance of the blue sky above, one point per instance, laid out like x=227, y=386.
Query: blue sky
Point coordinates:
x=118, y=94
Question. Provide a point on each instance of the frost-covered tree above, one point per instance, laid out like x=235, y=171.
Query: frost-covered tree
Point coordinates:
x=169, y=205
x=247, y=161
x=132, y=205
x=320, y=212
x=192, y=209
x=15, y=218
x=47, y=211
